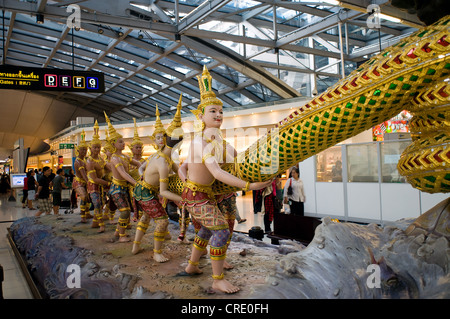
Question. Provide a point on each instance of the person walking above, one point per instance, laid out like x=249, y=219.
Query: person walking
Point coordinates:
x=25, y=190
x=294, y=194
x=45, y=205
x=32, y=184
x=58, y=185
x=269, y=196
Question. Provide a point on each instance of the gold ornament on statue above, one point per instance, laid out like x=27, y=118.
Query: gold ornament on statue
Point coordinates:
x=108, y=147
x=159, y=128
x=82, y=142
x=96, y=137
x=174, y=130
x=207, y=96
x=136, y=139
x=113, y=135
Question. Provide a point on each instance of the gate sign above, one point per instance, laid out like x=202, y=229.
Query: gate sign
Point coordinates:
x=66, y=146
x=25, y=78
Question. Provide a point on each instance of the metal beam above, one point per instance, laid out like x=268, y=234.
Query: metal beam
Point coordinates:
x=237, y=62
x=324, y=24
x=8, y=35
x=60, y=15
x=200, y=13
x=61, y=38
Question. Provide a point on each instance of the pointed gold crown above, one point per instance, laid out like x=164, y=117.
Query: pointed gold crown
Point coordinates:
x=83, y=143
x=159, y=128
x=207, y=96
x=108, y=145
x=96, y=137
x=113, y=135
x=136, y=139
x=176, y=122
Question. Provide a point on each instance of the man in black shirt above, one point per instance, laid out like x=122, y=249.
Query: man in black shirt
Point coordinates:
x=31, y=181
x=45, y=204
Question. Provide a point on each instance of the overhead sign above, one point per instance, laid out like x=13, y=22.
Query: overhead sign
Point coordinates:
x=25, y=78
x=66, y=146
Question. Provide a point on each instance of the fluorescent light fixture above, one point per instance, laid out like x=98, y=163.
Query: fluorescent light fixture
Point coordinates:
x=332, y=2
x=389, y=18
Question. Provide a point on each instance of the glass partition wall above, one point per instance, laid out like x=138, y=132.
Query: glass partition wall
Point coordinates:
x=362, y=162
x=360, y=183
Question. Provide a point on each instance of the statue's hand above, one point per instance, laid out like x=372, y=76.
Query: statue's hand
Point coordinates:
x=260, y=185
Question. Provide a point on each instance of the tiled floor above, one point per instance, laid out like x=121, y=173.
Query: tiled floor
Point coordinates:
x=15, y=285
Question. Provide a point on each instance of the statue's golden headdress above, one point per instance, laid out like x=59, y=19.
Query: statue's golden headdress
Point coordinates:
x=82, y=142
x=159, y=127
x=108, y=147
x=207, y=96
x=136, y=139
x=113, y=135
x=96, y=137
x=174, y=130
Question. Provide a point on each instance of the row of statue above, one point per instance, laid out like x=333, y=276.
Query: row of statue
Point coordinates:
x=132, y=183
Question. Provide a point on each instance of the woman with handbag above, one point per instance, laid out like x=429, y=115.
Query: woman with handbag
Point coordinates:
x=294, y=194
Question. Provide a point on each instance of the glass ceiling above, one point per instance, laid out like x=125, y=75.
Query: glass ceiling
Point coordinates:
x=150, y=54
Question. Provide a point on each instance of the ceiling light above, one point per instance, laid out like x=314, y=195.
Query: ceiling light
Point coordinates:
x=332, y=2
x=100, y=30
x=140, y=35
x=389, y=18
x=177, y=37
x=39, y=18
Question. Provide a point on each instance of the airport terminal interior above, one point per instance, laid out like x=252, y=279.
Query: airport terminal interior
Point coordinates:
x=346, y=100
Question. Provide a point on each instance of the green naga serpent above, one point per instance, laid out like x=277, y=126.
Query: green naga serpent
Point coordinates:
x=410, y=75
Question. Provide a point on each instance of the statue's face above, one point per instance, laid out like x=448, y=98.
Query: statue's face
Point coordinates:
x=82, y=151
x=120, y=144
x=212, y=116
x=95, y=149
x=160, y=140
x=136, y=149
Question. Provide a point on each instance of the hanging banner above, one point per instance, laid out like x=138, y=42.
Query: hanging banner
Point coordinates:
x=25, y=78
x=399, y=123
